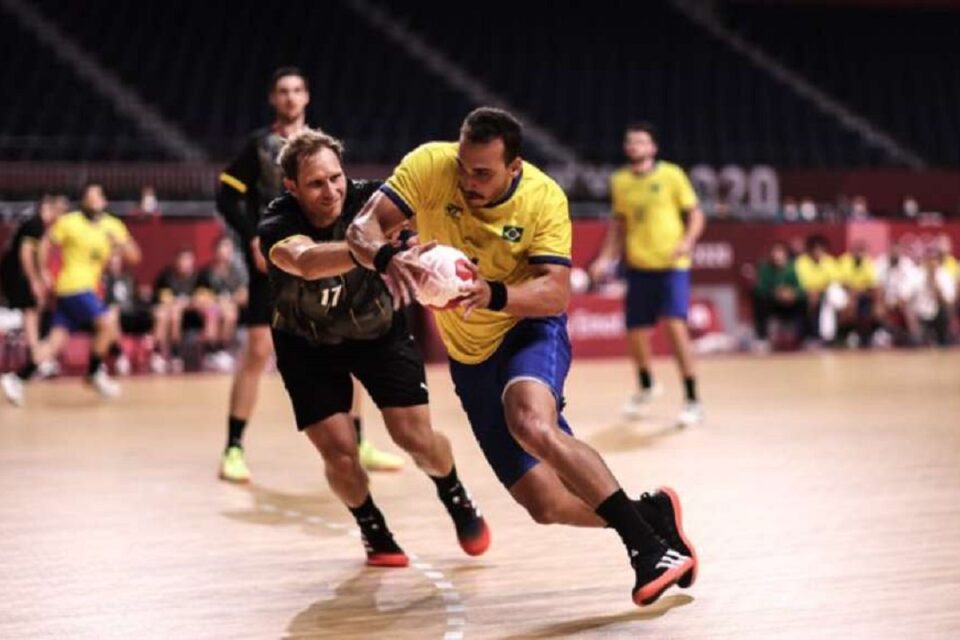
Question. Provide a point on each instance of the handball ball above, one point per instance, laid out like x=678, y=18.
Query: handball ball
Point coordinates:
x=450, y=268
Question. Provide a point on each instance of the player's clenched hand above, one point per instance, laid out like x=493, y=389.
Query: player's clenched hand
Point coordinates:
x=405, y=274
x=474, y=295
x=683, y=249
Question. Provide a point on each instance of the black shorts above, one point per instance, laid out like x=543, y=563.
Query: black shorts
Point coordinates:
x=15, y=289
x=318, y=382
x=257, y=311
x=136, y=322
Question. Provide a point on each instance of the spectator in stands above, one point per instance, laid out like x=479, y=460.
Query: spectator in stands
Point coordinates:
x=944, y=251
x=910, y=208
x=777, y=294
x=817, y=271
x=859, y=209
x=131, y=306
x=789, y=211
x=808, y=210
x=935, y=300
x=149, y=205
x=796, y=247
x=221, y=291
x=901, y=284
x=858, y=275
x=173, y=298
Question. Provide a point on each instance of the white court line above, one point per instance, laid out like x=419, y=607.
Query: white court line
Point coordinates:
x=447, y=591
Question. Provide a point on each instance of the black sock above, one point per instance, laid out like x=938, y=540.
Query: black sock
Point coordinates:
x=690, y=385
x=27, y=370
x=115, y=350
x=646, y=380
x=366, y=512
x=94, y=365
x=235, y=428
x=620, y=513
x=358, y=427
x=448, y=483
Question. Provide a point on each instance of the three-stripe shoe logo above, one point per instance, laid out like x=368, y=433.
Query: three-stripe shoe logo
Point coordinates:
x=671, y=560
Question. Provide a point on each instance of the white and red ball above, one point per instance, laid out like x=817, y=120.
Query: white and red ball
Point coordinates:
x=450, y=269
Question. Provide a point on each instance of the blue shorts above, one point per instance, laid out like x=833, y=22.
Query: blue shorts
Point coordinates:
x=78, y=311
x=655, y=294
x=536, y=348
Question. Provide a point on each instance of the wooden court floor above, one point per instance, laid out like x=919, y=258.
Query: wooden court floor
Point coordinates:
x=823, y=493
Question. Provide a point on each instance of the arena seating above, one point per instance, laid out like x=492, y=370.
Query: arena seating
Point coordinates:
x=48, y=114
x=872, y=60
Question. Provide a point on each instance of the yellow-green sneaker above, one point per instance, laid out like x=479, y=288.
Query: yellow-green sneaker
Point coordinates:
x=233, y=467
x=373, y=459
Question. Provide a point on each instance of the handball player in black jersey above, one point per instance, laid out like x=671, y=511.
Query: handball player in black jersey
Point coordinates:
x=331, y=319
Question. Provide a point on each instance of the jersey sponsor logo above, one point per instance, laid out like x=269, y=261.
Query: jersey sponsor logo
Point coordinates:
x=512, y=233
x=453, y=210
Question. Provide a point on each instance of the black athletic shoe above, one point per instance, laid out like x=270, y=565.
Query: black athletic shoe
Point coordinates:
x=382, y=549
x=661, y=509
x=656, y=571
x=472, y=530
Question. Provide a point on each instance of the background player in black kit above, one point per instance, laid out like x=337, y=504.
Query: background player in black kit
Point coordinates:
x=247, y=185
x=21, y=275
x=333, y=319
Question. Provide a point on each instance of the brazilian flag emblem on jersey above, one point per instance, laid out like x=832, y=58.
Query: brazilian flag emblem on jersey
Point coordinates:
x=512, y=233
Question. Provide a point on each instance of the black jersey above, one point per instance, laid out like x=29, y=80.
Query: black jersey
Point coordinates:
x=171, y=285
x=31, y=230
x=351, y=306
x=221, y=281
x=256, y=177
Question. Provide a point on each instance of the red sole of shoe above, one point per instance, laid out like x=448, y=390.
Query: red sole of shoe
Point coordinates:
x=388, y=560
x=478, y=545
x=650, y=592
x=675, y=500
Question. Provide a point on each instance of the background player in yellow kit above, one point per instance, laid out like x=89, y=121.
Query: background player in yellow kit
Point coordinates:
x=86, y=239
x=657, y=221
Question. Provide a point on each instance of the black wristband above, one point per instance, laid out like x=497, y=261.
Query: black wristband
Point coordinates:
x=498, y=295
x=383, y=257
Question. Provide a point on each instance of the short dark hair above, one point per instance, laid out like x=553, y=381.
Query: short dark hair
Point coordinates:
x=486, y=124
x=283, y=72
x=644, y=127
x=818, y=240
x=304, y=144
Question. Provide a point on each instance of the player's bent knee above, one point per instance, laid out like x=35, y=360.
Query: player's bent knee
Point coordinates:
x=534, y=433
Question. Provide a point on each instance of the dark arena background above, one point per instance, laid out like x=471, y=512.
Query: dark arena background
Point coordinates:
x=820, y=471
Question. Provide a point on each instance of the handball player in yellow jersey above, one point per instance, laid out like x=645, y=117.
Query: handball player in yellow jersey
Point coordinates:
x=657, y=221
x=86, y=239
x=508, y=345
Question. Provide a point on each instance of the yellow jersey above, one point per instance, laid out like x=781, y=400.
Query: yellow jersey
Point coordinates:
x=859, y=278
x=529, y=224
x=651, y=206
x=816, y=276
x=85, y=245
x=952, y=266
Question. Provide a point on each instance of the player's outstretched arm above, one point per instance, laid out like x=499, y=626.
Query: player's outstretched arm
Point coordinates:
x=610, y=252
x=546, y=294
x=304, y=258
x=368, y=240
